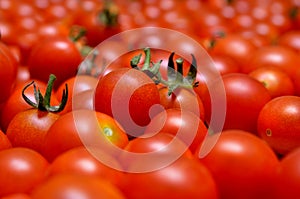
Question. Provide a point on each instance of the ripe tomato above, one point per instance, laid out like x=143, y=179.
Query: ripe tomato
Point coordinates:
x=55, y=55
x=68, y=186
x=128, y=95
x=83, y=127
x=4, y=141
x=184, y=178
x=22, y=169
x=245, y=97
x=243, y=165
x=288, y=179
x=185, y=125
x=278, y=123
x=82, y=161
x=81, y=100
x=8, y=71
x=276, y=81
x=290, y=39
x=156, y=152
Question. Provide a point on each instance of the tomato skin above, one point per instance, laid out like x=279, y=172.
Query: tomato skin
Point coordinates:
x=180, y=123
x=278, y=123
x=80, y=160
x=277, y=82
x=242, y=93
x=184, y=178
x=56, y=55
x=141, y=94
x=288, y=180
x=29, y=128
x=67, y=186
x=17, y=196
x=23, y=169
x=8, y=74
x=4, y=141
x=72, y=128
x=243, y=165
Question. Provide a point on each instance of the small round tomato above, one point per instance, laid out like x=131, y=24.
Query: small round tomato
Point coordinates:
x=275, y=80
x=128, y=95
x=278, y=123
x=288, y=179
x=184, y=178
x=245, y=97
x=83, y=161
x=22, y=169
x=55, y=55
x=243, y=165
x=70, y=186
x=83, y=128
x=185, y=125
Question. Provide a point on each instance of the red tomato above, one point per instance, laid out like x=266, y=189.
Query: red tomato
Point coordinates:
x=55, y=55
x=81, y=100
x=8, y=72
x=288, y=180
x=290, y=39
x=225, y=64
x=184, y=178
x=245, y=97
x=127, y=95
x=278, y=123
x=82, y=127
x=183, y=124
x=243, y=165
x=275, y=80
x=67, y=186
x=82, y=161
x=22, y=169
x=17, y=196
x=4, y=141
x=156, y=152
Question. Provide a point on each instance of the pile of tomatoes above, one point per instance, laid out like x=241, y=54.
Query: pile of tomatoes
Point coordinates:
x=82, y=120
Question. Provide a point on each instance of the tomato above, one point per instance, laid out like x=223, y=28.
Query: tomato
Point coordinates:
x=17, y=196
x=245, y=97
x=8, y=74
x=156, y=152
x=81, y=128
x=22, y=169
x=275, y=80
x=278, y=123
x=243, y=165
x=182, y=98
x=288, y=179
x=67, y=186
x=28, y=128
x=185, y=125
x=5, y=143
x=55, y=55
x=15, y=103
x=227, y=47
x=82, y=161
x=128, y=95
x=273, y=55
x=290, y=39
x=81, y=100
x=76, y=84
x=225, y=64
x=184, y=178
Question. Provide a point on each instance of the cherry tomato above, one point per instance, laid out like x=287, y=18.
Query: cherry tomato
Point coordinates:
x=184, y=178
x=22, y=170
x=275, y=80
x=82, y=128
x=68, y=186
x=245, y=97
x=185, y=125
x=278, y=123
x=243, y=165
x=288, y=179
x=82, y=161
x=127, y=95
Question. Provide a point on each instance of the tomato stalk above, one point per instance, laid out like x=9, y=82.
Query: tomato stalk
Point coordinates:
x=109, y=15
x=43, y=102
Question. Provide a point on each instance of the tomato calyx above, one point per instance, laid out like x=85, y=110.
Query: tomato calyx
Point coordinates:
x=108, y=16
x=175, y=79
x=43, y=102
x=76, y=35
